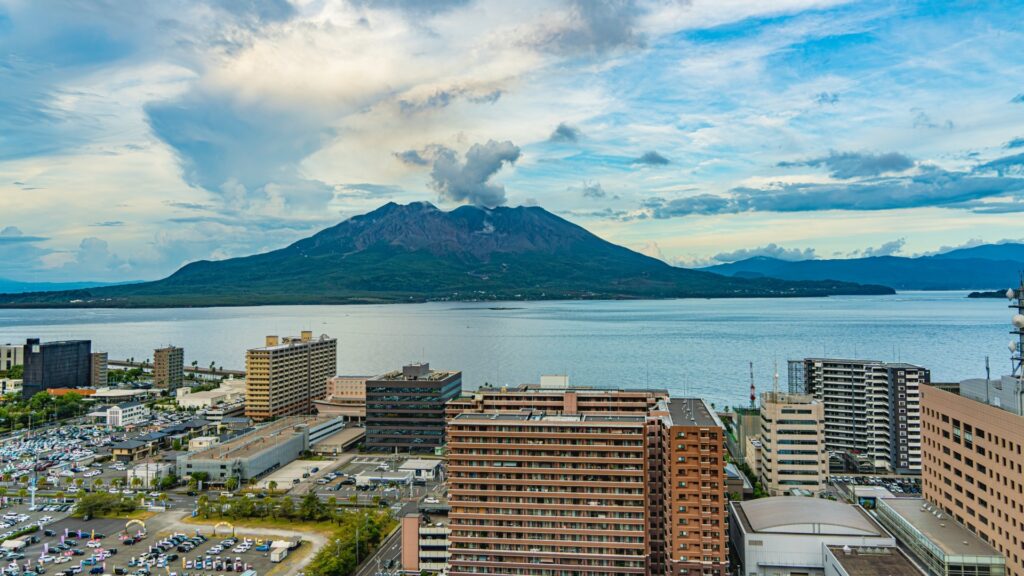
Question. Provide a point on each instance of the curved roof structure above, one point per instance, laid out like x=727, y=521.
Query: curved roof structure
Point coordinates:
x=796, y=514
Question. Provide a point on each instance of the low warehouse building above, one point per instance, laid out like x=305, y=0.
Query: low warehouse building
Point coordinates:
x=254, y=454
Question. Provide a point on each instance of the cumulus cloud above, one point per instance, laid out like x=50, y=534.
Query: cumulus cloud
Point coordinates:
x=14, y=235
x=413, y=157
x=847, y=165
x=651, y=158
x=1006, y=165
x=565, y=133
x=1015, y=143
x=592, y=190
x=771, y=250
x=469, y=180
x=886, y=249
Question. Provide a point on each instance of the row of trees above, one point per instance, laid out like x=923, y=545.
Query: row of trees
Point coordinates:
x=309, y=508
x=16, y=412
x=100, y=504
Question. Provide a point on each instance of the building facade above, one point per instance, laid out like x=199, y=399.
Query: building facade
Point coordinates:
x=579, y=481
x=872, y=411
x=405, y=409
x=973, y=469
x=287, y=375
x=126, y=414
x=62, y=364
x=793, y=453
x=98, y=369
x=168, y=368
x=11, y=355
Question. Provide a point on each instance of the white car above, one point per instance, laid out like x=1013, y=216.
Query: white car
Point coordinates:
x=93, y=543
x=431, y=500
x=46, y=559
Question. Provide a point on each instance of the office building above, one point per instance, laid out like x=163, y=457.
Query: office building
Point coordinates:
x=168, y=368
x=792, y=451
x=973, y=468
x=787, y=536
x=11, y=355
x=124, y=414
x=405, y=409
x=62, y=364
x=936, y=541
x=549, y=481
x=872, y=411
x=287, y=375
x=98, y=369
x=149, y=474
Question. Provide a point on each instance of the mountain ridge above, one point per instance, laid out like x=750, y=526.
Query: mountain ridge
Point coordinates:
x=417, y=252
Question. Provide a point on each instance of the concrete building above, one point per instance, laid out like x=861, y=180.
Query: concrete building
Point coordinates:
x=202, y=443
x=98, y=369
x=229, y=392
x=785, y=536
x=346, y=396
x=149, y=474
x=125, y=414
x=425, y=544
x=872, y=411
x=405, y=409
x=941, y=545
x=168, y=368
x=62, y=364
x=550, y=481
x=260, y=451
x=793, y=451
x=973, y=468
x=133, y=450
x=868, y=561
x=342, y=441
x=423, y=469
x=10, y=386
x=287, y=375
x=11, y=355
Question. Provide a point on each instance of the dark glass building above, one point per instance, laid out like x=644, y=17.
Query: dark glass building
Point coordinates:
x=63, y=364
x=405, y=408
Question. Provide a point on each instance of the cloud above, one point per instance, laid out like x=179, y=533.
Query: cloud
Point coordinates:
x=109, y=224
x=1018, y=99
x=699, y=204
x=373, y=190
x=1005, y=165
x=593, y=190
x=771, y=250
x=886, y=249
x=14, y=235
x=1015, y=143
x=923, y=120
x=595, y=27
x=565, y=133
x=443, y=98
x=413, y=157
x=847, y=165
x=469, y=180
x=414, y=8
x=651, y=158
x=824, y=98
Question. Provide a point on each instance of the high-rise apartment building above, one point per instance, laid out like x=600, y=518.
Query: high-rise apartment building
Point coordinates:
x=168, y=368
x=582, y=481
x=973, y=467
x=287, y=375
x=62, y=364
x=405, y=409
x=11, y=355
x=98, y=369
x=793, y=453
x=872, y=410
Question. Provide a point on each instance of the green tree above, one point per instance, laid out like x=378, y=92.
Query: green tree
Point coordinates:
x=231, y=484
x=16, y=372
x=272, y=485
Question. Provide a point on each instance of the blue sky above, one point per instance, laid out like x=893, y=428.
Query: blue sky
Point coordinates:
x=136, y=137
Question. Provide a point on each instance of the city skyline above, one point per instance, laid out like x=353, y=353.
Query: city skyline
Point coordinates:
x=137, y=139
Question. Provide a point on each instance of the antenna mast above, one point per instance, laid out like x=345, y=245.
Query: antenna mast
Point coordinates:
x=753, y=390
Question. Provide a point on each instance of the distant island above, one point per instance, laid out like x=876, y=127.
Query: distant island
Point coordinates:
x=988, y=294
x=417, y=253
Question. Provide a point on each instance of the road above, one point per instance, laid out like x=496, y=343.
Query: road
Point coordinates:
x=390, y=549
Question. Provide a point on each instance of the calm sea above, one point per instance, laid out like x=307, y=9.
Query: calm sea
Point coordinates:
x=698, y=347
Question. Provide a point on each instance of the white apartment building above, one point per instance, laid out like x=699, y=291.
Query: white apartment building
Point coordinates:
x=126, y=414
x=872, y=410
x=792, y=453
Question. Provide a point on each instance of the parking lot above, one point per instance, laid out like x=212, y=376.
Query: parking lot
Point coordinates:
x=902, y=486
x=299, y=475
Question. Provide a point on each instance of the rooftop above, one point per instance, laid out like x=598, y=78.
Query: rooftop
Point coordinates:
x=259, y=440
x=692, y=412
x=867, y=561
x=940, y=529
x=799, y=515
x=539, y=415
x=413, y=372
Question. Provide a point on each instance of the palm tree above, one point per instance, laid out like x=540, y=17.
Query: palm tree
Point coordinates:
x=272, y=485
x=79, y=482
x=136, y=482
x=22, y=493
x=97, y=483
x=60, y=494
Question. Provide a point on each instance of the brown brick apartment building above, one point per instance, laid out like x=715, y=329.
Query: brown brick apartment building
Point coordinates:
x=585, y=482
x=973, y=468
